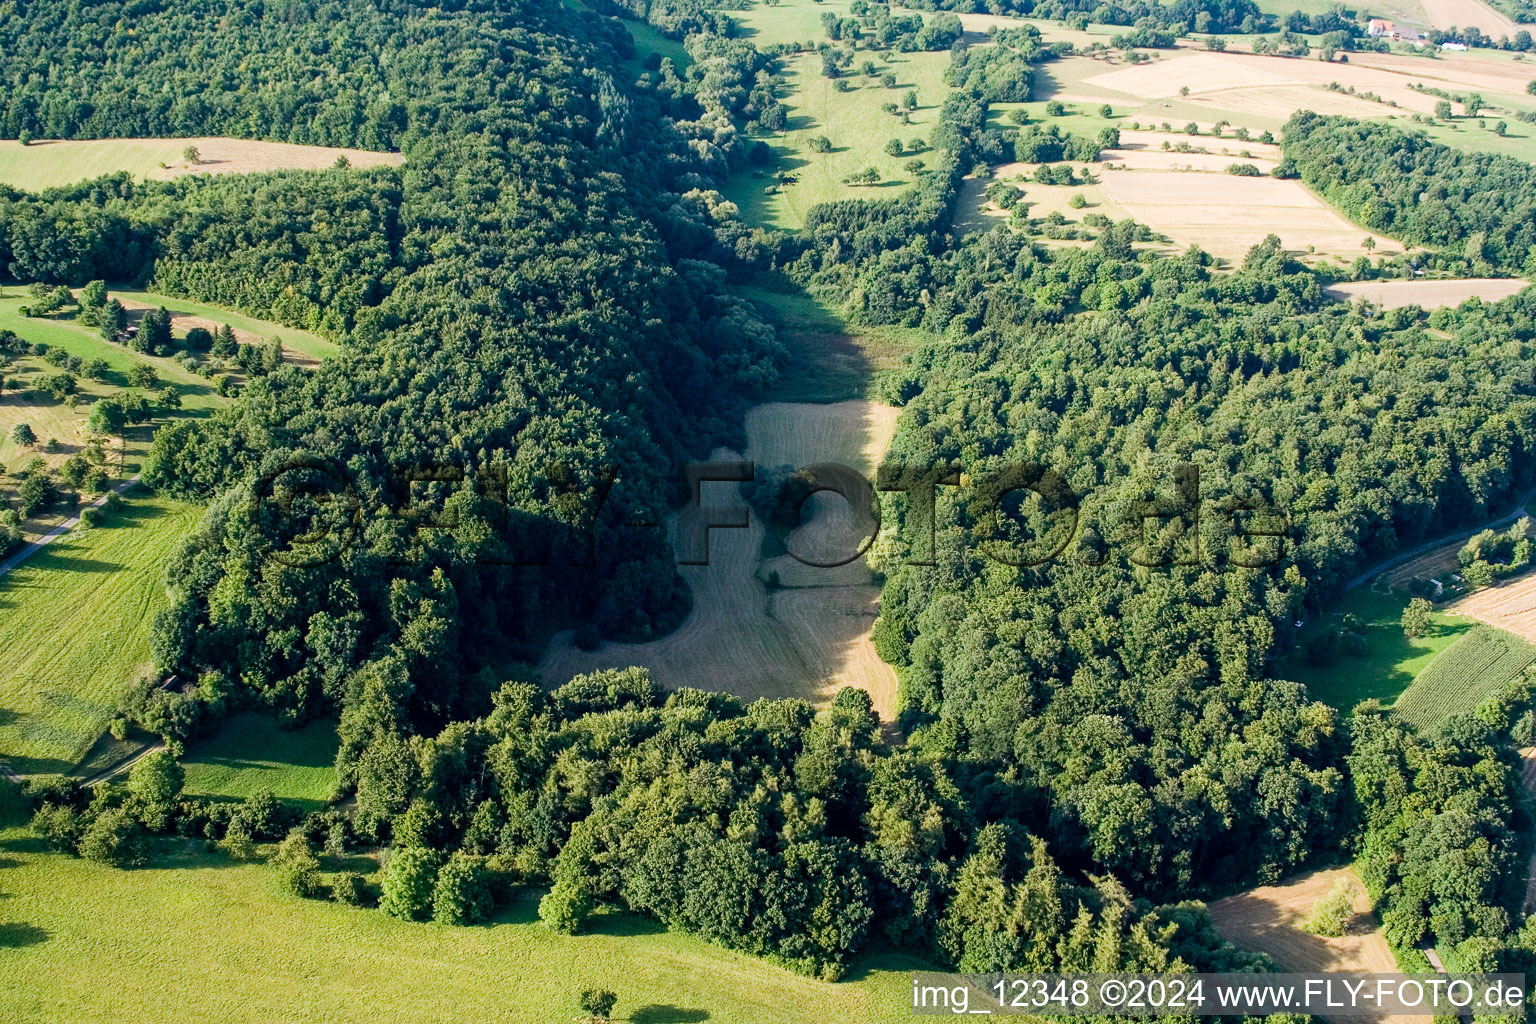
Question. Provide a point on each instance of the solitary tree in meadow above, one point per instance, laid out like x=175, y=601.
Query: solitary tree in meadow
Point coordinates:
x=1416, y=617
x=23, y=435
x=191, y=155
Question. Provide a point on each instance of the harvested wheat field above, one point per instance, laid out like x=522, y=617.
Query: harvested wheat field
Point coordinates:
x=1448, y=14
x=803, y=632
x=1269, y=920
x=1510, y=606
x=1227, y=215
x=1427, y=294
x=45, y=164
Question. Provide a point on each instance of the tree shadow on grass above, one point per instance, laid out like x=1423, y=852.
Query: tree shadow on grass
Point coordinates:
x=14, y=934
x=657, y=1013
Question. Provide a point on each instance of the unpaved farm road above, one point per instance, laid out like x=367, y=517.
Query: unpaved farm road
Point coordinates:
x=60, y=530
x=1429, y=545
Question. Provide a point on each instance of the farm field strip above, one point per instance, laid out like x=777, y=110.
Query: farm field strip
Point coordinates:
x=1461, y=677
x=1227, y=215
x=74, y=628
x=1509, y=605
x=1427, y=294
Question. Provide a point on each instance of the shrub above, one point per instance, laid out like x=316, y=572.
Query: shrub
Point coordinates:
x=1333, y=910
x=462, y=894
x=408, y=883
x=297, y=865
x=60, y=827
x=587, y=637
x=350, y=888
x=115, y=838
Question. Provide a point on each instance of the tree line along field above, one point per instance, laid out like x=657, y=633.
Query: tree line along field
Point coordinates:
x=49, y=163
x=1476, y=667
x=81, y=941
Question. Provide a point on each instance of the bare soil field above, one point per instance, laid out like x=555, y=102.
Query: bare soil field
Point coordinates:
x=1427, y=294
x=1510, y=606
x=1269, y=920
x=1227, y=215
x=801, y=633
x=1199, y=72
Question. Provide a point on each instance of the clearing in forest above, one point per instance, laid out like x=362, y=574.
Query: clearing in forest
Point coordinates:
x=1470, y=671
x=1510, y=605
x=251, y=752
x=1227, y=215
x=1426, y=294
x=1390, y=661
x=74, y=628
x=763, y=624
x=50, y=163
x=857, y=128
x=1269, y=920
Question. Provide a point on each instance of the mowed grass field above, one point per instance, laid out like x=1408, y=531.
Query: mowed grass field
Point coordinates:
x=196, y=939
x=74, y=627
x=1468, y=672
x=1393, y=660
x=52, y=162
x=855, y=125
x=250, y=753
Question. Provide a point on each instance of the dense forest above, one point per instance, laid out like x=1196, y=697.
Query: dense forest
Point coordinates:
x=532, y=340
x=1478, y=206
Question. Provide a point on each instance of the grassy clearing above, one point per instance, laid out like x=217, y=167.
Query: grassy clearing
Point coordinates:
x=228, y=945
x=51, y=163
x=74, y=627
x=1392, y=660
x=1518, y=140
x=1465, y=674
x=856, y=126
x=250, y=753
x=794, y=22
x=830, y=360
x=302, y=342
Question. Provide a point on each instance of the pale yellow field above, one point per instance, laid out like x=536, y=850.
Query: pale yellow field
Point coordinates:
x=1510, y=606
x=1269, y=920
x=1447, y=14
x=48, y=163
x=808, y=634
x=1427, y=294
x=1226, y=215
